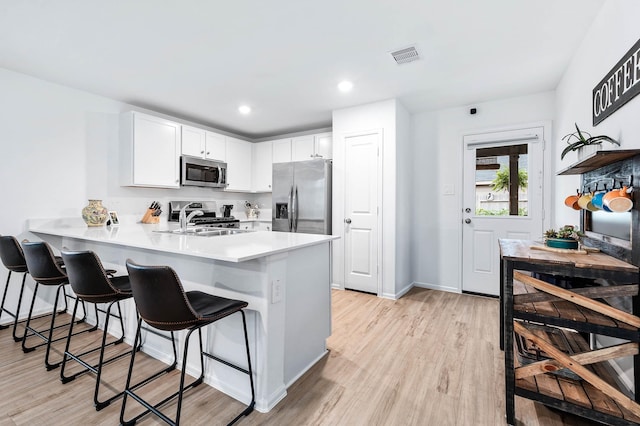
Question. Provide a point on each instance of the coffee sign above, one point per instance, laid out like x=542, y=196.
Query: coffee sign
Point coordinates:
x=619, y=86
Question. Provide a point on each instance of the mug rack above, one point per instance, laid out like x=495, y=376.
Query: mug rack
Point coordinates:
x=607, y=184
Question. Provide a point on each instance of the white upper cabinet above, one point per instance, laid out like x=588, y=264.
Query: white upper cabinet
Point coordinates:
x=323, y=145
x=312, y=146
x=203, y=144
x=150, y=151
x=239, y=155
x=302, y=148
x=262, y=166
x=281, y=150
x=215, y=146
x=193, y=141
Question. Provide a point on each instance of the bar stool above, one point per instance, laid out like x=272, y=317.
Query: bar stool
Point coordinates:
x=46, y=271
x=13, y=259
x=163, y=304
x=91, y=283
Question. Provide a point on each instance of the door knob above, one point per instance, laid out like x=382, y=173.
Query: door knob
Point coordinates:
x=467, y=221
x=347, y=221
x=467, y=210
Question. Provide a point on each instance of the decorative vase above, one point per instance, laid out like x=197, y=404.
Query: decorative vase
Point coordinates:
x=94, y=214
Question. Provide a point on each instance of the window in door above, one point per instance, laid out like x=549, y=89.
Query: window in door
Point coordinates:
x=501, y=182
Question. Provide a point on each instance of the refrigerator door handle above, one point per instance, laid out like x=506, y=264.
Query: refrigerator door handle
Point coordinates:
x=295, y=210
x=290, y=208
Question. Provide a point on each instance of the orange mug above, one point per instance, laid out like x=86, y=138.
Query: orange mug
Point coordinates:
x=618, y=200
x=572, y=201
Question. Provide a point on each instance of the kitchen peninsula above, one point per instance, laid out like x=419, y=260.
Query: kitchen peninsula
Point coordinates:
x=285, y=278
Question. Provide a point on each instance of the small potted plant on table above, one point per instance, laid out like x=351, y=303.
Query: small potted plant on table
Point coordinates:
x=567, y=237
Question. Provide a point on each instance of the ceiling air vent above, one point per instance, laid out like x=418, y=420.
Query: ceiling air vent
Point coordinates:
x=403, y=56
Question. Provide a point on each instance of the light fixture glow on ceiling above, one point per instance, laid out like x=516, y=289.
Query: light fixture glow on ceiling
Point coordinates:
x=244, y=109
x=345, y=86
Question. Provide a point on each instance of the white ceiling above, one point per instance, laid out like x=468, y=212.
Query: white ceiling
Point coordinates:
x=200, y=59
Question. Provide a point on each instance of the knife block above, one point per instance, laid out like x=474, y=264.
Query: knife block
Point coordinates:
x=149, y=217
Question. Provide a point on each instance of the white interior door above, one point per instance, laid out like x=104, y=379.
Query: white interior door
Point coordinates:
x=361, y=212
x=502, y=198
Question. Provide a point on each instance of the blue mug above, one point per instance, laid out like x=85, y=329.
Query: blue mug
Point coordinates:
x=598, y=201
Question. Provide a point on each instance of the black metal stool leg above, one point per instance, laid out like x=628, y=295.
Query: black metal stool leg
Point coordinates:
x=4, y=297
x=47, y=364
x=129, y=389
x=27, y=327
x=16, y=320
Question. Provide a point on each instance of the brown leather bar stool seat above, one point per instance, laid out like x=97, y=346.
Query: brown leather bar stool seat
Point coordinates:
x=91, y=283
x=163, y=304
x=47, y=271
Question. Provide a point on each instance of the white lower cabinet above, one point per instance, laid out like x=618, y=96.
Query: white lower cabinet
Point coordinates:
x=262, y=226
x=256, y=226
x=238, y=164
x=150, y=151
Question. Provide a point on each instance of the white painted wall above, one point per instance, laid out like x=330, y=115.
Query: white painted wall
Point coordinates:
x=612, y=34
x=406, y=184
x=378, y=115
x=437, y=159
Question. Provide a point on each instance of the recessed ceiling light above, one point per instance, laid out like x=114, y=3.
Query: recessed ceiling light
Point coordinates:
x=244, y=109
x=345, y=86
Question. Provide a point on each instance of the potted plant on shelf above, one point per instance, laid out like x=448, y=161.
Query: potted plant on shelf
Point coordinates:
x=577, y=140
x=567, y=237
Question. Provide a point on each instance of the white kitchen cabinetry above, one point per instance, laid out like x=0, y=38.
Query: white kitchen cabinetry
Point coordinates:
x=311, y=146
x=262, y=166
x=238, y=164
x=262, y=226
x=281, y=150
x=203, y=144
x=256, y=226
x=215, y=146
x=150, y=151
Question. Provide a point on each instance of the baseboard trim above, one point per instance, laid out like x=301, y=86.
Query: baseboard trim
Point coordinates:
x=437, y=287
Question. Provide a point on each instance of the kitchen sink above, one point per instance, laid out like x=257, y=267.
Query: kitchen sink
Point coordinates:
x=207, y=231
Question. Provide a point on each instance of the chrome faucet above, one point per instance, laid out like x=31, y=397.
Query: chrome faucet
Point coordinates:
x=184, y=219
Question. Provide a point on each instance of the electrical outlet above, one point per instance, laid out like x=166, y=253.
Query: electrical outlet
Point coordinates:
x=276, y=291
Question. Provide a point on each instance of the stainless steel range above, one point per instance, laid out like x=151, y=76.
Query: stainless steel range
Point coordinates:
x=209, y=215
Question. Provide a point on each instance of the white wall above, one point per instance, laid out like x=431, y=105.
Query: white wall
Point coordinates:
x=437, y=161
x=612, y=34
x=406, y=184
x=378, y=115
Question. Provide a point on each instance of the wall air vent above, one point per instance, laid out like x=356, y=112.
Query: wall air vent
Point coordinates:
x=403, y=56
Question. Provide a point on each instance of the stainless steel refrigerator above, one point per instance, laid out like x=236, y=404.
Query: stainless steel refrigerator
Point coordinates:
x=301, y=194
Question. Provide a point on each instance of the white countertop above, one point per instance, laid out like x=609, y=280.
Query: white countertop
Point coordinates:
x=229, y=248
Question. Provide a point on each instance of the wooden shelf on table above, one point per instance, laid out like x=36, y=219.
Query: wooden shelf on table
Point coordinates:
x=573, y=395
x=531, y=304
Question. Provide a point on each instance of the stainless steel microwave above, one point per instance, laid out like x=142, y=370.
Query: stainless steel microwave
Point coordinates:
x=196, y=171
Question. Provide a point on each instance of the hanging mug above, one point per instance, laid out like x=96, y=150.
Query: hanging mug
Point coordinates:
x=585, y=202
x=572, y=201
x=598, y=201
x=618, y=200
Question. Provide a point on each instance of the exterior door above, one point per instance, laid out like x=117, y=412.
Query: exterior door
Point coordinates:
x=361, y=212
x=502, y=198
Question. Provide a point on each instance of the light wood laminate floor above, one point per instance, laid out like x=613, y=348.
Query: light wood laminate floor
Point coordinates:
x=430, y=358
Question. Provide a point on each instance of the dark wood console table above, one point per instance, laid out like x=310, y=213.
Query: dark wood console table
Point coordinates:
x=547, y=317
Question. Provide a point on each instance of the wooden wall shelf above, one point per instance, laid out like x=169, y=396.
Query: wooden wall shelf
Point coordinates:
x=598, y=159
